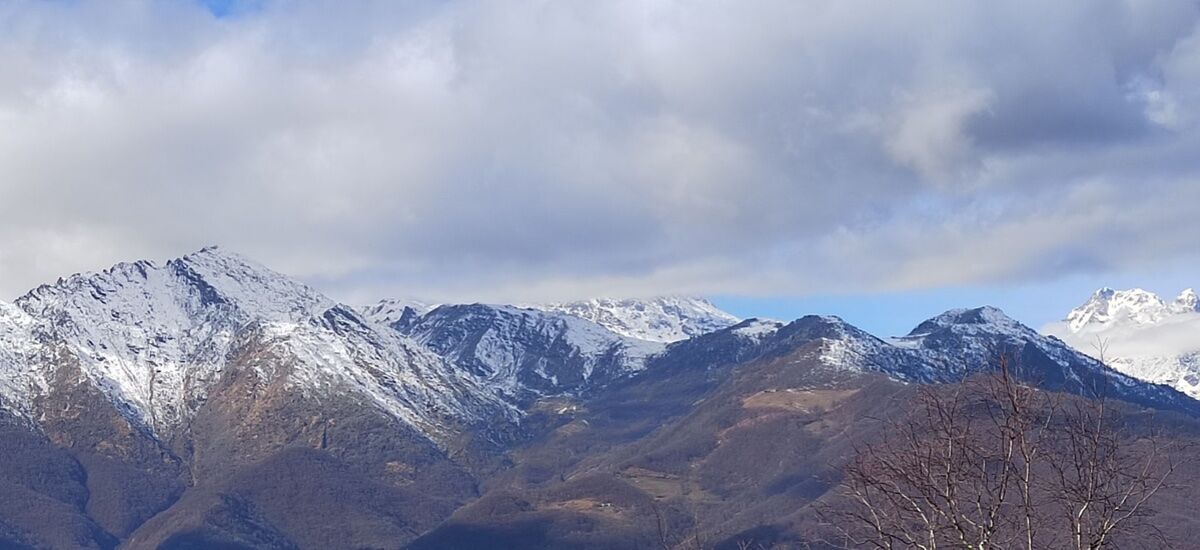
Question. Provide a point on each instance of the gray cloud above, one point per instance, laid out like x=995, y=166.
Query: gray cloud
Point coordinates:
x=533, y=150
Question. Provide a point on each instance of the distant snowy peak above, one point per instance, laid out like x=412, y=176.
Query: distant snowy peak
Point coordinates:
x=662, y=319
x=1135, y=306
x=525, y=351
x=1187, y=301
x=392, y=310
x=1140, y=334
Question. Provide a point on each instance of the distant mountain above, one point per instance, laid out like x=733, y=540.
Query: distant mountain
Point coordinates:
x=1112, y=308
x=528, y=353
x=662, y=319
x=1141, y=334
x=533, y=351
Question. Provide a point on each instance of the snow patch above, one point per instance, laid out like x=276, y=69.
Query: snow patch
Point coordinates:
x=758, y=329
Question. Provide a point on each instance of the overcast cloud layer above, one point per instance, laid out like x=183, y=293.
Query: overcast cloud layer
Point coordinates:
x=543, y=150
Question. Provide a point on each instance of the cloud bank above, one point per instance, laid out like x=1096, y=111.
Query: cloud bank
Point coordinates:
x=531, y=150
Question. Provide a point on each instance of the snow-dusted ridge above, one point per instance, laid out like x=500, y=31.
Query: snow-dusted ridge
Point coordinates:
x=1141, y=334
x=154, y=338
x=661, y=319
x=523, y=351
x=540, y=349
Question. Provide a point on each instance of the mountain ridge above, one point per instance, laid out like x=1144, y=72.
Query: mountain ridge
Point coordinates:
x=156, y=337
x=658, y=319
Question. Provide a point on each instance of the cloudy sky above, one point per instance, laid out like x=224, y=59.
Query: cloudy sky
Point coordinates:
x=882, y=160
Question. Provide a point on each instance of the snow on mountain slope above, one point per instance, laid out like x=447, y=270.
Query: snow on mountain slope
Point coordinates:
x=964, y=338
x=662, y=319
x=756, y=329
x=1141, y=334
x=340, y=350
x=843, y=347
x=17, y=347
x=521, y=350
x=155, y=338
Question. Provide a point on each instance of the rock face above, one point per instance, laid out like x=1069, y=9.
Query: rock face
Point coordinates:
x=1143, y=335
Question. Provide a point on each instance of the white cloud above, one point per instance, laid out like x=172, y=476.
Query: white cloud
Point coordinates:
x=540, y=150
x=930, y=133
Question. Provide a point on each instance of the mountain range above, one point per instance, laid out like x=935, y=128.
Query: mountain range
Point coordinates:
x=210, y=402
x=1140, y=334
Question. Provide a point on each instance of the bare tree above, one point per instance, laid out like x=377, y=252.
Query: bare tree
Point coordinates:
x=997, y=463
x=1104, y=479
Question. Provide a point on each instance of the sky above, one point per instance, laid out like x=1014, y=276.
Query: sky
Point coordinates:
x=879, y=161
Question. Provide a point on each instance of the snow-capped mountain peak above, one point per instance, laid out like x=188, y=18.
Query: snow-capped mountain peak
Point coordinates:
x=1140, y=334
x=1107, y=306
x=986, y=319
x=155, y=337
x=1186, y=302
x=661, y=319
x=209, y=279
